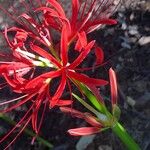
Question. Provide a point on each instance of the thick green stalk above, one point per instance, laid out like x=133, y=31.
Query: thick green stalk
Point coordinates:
x=27, y=131
x=119, y=130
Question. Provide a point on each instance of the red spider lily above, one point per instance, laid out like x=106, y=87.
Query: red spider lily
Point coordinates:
x=13, y=73
x=29, y=87
x=90, y=119
x=67, y=69
x=86, y=15
x=32, y=47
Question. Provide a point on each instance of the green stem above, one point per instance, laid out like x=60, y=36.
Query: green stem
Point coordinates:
x=119, y=130
x=27, y=131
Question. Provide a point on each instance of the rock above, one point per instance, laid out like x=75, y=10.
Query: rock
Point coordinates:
x=125, y=45
x=84, y=142
x=133, y=30
x=144, y=40
x=130, y=101
x=104, y=147
x=124, y=26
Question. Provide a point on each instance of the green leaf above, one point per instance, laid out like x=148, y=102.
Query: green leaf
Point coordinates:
x=85, y=104
x=96, y=103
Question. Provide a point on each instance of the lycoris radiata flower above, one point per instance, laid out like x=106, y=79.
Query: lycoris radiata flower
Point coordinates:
x=32, y=46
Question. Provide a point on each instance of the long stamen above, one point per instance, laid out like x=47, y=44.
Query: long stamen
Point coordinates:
x=11, y=16
x=2, y=85
x=95, y=12
x=40, y=124
x=83, y=10
x=44, y=60
x=13, y=100
x=17, y=125
x=18, y=133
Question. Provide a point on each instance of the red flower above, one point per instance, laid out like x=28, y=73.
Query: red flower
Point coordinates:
x=67, y=69
x=35, y=55
x=86, y=15
x=90, y=119
x=32, y=46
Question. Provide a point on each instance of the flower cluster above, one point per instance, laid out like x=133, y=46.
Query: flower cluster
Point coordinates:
x=32, y=46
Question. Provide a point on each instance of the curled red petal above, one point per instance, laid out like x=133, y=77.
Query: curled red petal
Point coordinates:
x=72, y=111
x=10, y=81
x=58, y=7
x=83, y=131
x=64, y=102
x=44, y=54
x=75, y=10
x=59, y=91
x=81, y=42
x=46, y=9
x=40, y=79
x=87, y=80
x=64, y=45
x=92, y=120
x=82, y=55
x=99, y=55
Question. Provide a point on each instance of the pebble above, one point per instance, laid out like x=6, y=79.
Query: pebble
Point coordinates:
x=133, y=30
x=84, y=142
x=125, y=45
x=104, y=147
x=144, y=40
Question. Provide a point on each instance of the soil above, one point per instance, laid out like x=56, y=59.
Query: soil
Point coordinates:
x=127, y=49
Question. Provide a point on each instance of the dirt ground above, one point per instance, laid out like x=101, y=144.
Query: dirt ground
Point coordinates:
x=127, y=50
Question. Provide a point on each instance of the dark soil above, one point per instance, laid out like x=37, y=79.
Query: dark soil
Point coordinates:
x=127, y=50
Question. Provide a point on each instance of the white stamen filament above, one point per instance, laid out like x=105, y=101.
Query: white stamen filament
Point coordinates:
x=42, y=61
x=11, y=72
x=13, y=100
